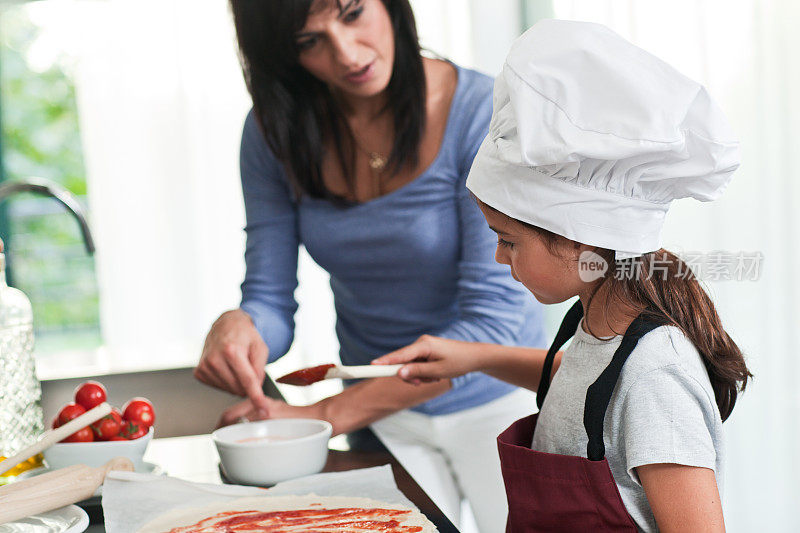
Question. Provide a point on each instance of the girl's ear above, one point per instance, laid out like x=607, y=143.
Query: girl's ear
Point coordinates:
x=570, y=251
x=578, y=248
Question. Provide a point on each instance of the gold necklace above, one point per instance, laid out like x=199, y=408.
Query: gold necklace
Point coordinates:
x=377, y=161
x=377, y=164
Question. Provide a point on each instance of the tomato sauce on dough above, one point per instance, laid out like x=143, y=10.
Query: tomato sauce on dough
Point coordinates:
x=316, y=520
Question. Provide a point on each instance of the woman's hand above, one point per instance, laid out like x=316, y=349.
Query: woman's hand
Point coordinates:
x=234, y=357
x=356, y=407
x=274, y=409
x=433, y=358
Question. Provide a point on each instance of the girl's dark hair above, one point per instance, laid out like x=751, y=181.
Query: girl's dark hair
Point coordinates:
x=665, y=290
x=668, y=291
x=297, y=112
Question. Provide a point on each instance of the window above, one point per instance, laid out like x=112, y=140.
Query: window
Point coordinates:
x=136, y=108
x=41, y=138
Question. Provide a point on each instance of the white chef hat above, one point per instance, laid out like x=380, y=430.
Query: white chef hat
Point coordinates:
x=592, y=138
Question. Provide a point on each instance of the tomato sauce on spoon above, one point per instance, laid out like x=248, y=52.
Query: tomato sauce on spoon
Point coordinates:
x=306, y=376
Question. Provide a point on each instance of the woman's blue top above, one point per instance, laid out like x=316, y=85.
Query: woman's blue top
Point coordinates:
x=417, y=260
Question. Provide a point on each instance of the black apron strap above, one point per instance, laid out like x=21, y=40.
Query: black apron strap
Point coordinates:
x=565, y=332
x=598, y=395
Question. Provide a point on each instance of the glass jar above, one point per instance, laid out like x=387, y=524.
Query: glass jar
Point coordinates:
x=21, y=418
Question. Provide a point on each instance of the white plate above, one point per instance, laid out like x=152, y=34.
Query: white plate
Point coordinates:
x=69, y=519
x=147, y=468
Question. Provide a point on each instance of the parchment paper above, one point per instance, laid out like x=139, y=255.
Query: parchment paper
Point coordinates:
x=130, y=500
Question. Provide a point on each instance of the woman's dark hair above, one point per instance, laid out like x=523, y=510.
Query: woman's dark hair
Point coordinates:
x=666, y=291
x=297, y=112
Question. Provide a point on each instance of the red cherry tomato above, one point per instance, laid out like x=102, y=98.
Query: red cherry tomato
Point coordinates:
x=139, y=411
x=132, y=431
x=82, y=435
x=116, y=415
x=90, y=394
x=124, y=429
x=138, y=431
x=105, y=428
x=69, y=412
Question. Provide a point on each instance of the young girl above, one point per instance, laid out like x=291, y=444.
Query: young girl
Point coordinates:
x=591, y=138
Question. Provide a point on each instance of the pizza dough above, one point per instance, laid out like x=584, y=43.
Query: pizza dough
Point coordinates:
x=293, y=514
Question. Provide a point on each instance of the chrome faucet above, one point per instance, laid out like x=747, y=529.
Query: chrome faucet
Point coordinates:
x=54, y=190
x=21, y=420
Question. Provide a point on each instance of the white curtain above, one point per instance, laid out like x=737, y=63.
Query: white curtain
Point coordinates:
x=472, y=33
x=161, y=102
x=747, y=52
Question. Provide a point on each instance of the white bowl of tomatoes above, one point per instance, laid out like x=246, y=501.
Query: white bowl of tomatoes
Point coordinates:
x=124, y=432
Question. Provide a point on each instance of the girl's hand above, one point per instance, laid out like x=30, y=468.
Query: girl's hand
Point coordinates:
x=234, y=357
x=433, y=358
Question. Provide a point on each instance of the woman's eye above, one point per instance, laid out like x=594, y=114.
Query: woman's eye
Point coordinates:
x=353, y=14
x=306, y=44
x=505, y=244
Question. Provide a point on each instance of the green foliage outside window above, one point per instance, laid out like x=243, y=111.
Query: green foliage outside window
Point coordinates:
x=40, y=137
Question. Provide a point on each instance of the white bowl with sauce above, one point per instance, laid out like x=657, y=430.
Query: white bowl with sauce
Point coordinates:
x=270, y=451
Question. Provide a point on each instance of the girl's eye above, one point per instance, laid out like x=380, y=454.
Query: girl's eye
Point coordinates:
x=505, y=244
x=306, y=44
x=353, y=14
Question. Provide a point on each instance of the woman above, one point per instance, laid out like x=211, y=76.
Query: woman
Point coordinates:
x=358, y=148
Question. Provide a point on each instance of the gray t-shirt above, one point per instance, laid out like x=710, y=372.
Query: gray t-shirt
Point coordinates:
x=662, y=411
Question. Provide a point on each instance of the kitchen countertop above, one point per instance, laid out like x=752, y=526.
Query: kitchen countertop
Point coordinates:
x=194, y=458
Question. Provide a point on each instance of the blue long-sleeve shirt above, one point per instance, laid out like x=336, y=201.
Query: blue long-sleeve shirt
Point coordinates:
x=417, y=260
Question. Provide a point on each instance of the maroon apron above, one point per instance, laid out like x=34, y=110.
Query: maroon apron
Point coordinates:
x=551, y=492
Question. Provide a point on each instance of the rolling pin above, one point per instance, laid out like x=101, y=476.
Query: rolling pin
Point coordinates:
x=54, y=489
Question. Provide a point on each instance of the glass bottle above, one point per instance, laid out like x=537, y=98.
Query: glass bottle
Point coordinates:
x=21, y=418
